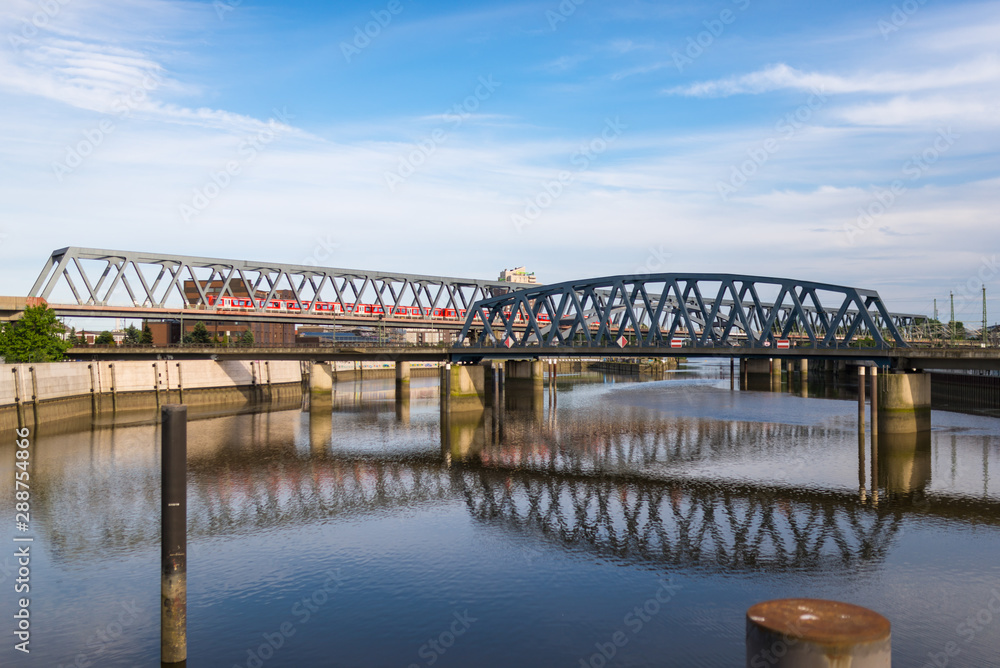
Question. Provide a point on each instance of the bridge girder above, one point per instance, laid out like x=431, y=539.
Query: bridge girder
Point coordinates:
x=121, y=280
x=653, y=310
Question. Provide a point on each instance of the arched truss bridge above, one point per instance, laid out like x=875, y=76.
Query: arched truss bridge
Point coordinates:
x=689, y=310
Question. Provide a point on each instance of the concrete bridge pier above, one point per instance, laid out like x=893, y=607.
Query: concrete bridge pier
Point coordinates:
x=756, y=374
x=524, y=373
x=904, y=403
x=463, y=387
x=321, y=382
x=402, y=377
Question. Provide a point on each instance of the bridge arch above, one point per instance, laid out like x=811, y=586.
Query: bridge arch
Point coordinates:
x=693, y=310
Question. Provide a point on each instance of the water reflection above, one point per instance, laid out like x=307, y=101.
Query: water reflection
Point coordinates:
x=624, y=482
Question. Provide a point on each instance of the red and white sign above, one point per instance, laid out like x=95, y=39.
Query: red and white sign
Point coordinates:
x=508, y=342
x=676, y=343
x=622, y=342
x=782, y=344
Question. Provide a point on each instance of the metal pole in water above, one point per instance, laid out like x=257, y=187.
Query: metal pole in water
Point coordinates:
x=874, y=400
x=173, y=555
x=861, y=398
x=732, y=373
x=815, y=633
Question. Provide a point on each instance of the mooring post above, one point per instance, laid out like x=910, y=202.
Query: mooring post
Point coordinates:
x=861, y=398
x=874, y=400
x=114, y=389
x=173, y=555
x=861, y=466
x=815, y=633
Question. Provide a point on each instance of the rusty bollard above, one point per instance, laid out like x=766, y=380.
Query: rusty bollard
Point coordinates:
x=814, y=633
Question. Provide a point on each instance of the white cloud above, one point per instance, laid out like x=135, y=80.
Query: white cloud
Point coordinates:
x=983, y=70
x=108, y=74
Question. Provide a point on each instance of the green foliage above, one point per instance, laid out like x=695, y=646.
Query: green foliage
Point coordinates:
x=105, y=339
x=199, y=335
x=246, y=339
x=146, y=338
x=36, y=337
x=132, y=336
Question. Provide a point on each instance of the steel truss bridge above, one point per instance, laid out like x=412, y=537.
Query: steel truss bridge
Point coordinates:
x=693, y=310
x=88, y=282
x=707, y=310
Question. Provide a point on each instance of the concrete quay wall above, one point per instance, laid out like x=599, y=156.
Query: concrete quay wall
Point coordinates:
x=60, y=391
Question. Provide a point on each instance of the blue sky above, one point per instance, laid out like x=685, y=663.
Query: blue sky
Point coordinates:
x=853, y=143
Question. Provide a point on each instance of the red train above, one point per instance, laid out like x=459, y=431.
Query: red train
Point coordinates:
x=335, y=308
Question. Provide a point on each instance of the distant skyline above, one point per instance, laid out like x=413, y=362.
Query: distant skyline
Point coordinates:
x=853, y=143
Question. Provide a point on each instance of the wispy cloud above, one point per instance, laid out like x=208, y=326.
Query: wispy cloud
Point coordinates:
x=985, y=69
x=70, y=59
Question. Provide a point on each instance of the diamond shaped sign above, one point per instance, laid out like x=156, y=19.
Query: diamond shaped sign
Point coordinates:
x=508, y=342
x=622, y=342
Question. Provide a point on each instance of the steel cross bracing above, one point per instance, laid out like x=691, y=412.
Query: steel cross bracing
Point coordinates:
x=698, y=310
x=118, y=280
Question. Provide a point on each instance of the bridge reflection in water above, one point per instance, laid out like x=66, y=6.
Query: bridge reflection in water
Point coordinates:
x=611, y=483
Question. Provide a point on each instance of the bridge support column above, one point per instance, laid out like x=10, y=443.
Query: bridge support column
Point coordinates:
x=519, y=371
x=804, y=369
x=904, y=403
x=402, y=378
x=463, y=388
x=321, y=380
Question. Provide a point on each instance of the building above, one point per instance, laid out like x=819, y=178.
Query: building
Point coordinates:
x=517, y=275
x=271, y=334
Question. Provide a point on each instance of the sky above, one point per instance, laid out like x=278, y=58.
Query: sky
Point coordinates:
x=853, y=143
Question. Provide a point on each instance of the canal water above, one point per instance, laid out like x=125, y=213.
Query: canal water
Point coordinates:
x=619, y=523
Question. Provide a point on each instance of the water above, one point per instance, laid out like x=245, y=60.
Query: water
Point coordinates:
x=657, y=511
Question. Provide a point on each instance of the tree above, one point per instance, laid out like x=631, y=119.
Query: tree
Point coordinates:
x=199, y=335
x=246, y=339
x=132, y=336
x=36, y=337
x=105, y=338
x=146, y=338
